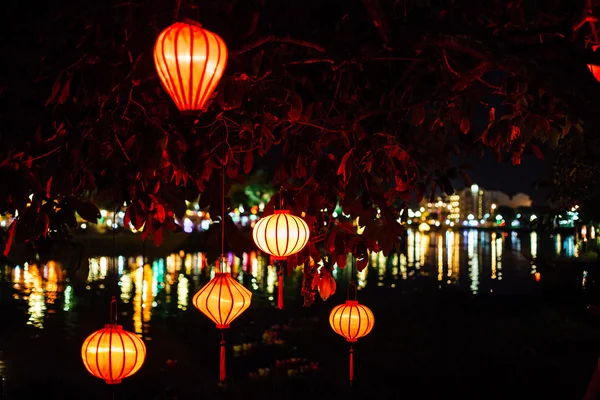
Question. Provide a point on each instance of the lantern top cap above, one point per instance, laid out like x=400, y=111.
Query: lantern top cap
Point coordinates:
x=351, y=302
x=221, y=274
x=281, y=212
x=113, y=326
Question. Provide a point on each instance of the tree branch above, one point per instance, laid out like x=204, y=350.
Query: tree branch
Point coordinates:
x=274, y=39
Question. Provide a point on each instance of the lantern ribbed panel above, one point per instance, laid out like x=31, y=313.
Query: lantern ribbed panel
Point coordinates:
x=113, y=354
x=222, y=300
x=190, y=62
x=352, y=320
x=281, y=234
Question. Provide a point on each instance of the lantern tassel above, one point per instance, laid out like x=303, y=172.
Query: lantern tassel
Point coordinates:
x=280, y=291
x=222, y=369
x=351, y=365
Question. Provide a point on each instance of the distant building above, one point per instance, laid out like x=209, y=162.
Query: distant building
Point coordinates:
x=471, y=204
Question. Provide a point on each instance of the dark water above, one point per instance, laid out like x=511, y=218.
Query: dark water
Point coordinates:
x=450, y=299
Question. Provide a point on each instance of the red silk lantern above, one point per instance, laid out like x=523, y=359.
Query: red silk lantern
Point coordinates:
x=112, y=353
x=352, y=321
x=222, y=300
x=190, y=62
x=280, y=234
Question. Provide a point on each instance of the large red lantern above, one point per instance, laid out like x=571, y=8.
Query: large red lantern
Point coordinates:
x=112, y=353
x=352, y=321
x=222, y=300
x=281, y=234
x=190, y=62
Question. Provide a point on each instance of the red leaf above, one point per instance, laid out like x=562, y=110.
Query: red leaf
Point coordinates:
x=330, y=246
x=11, y=235
x=160, y=212
x=341, y=260
x=55, y=88
x=465, y=125
x=157, y=236
x=248, y=161
x=343, y=169
x=538, y=153
x=515, y=133
x=361, y=263
x=66, y=90
x=326, y=285
x=418, y=115
x=48, y=187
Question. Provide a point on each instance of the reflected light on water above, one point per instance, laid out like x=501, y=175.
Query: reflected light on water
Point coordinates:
x=473, y=256
x=182, y=292
x=453, y=259
x=494, y=256
x=440, y=255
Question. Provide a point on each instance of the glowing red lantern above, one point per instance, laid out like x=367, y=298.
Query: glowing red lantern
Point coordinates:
x=352, y=321
x=281, y=234
x=222, y=300
x=190, y=62
x=112, y=353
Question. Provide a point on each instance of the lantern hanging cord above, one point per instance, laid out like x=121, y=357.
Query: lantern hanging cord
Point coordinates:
x=281, y=197
x=114, y=256
x=113, y=311
x=223, y=200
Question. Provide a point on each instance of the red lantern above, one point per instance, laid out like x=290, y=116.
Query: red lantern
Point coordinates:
x=190, y=62
x=352, y=321
x=112, y=353
x=281, y=235
x=222, y=300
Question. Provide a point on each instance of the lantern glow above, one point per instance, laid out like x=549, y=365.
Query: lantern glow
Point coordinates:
x=222, y=300
x=190, y=62
x=352, y=320
x=281, y=234
x=113, y=354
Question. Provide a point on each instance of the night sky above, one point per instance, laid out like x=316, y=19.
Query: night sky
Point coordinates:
x=511, y=179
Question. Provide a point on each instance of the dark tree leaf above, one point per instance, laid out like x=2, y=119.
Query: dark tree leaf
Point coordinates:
x=88, y=211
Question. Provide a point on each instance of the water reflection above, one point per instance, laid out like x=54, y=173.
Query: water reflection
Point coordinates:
x=471, y=261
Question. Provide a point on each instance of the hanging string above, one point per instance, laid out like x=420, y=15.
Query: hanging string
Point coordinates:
x=113, y=302
x=113, y=311
x=223, y=200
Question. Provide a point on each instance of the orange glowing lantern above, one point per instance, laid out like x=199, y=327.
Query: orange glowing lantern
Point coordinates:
x=281, y=234
x=112, y=353
x=190, y=62
x=222, y=300
x=352, y=321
